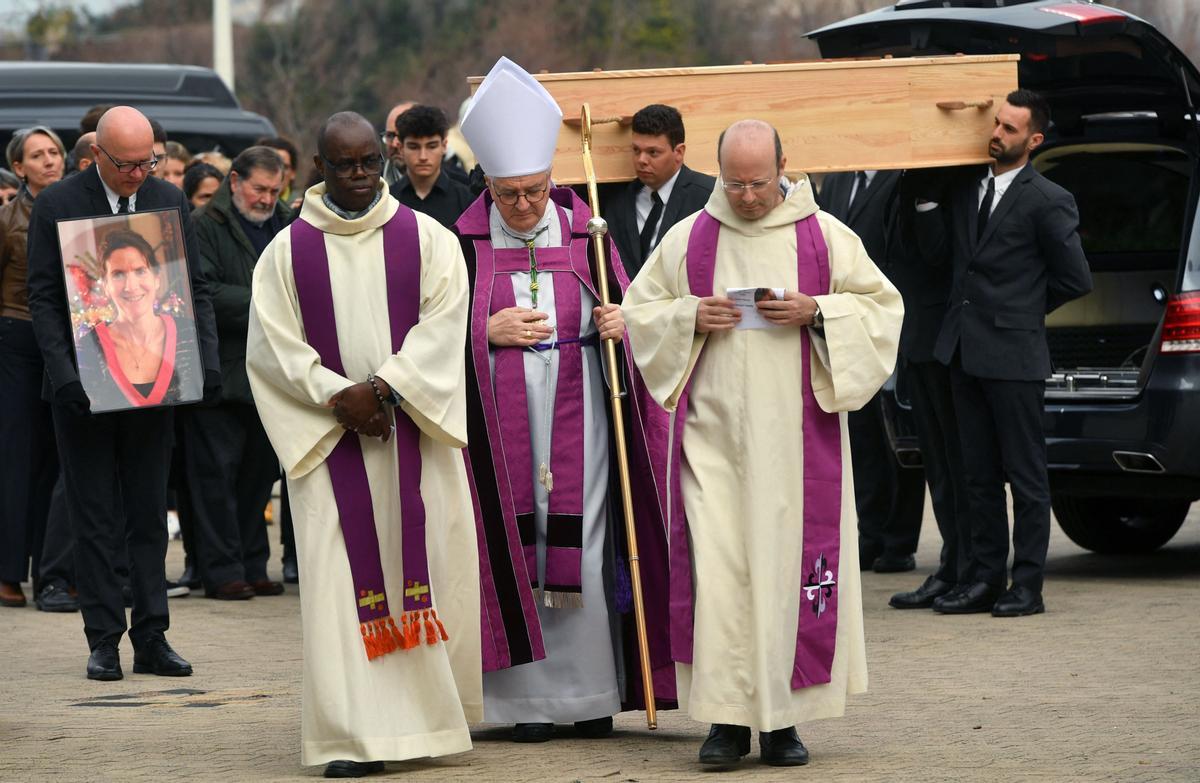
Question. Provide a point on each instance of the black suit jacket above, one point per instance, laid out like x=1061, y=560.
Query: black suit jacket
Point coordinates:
x=690, y=194
x=869, y=218
x=1027, y=262
x=83, y=196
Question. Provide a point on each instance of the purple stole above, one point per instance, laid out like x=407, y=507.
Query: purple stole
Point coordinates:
x=565, y=485
x=821, y=433
x=347, y=470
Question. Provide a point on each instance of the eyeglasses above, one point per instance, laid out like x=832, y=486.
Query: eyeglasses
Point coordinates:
x=742, y=187
x=370, y=165
x=510, y=197
x=387, y=137
x=126, y=168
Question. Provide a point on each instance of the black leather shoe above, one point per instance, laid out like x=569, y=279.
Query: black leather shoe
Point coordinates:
x=1018, y=602
x=894, y=564
x=157, y=657
x=191, y=578
x=291, y=572
x=970, y=599
x=867, y=556
x=532, y=732
x=352, y=769
x=595, y=728
x=923, y=596
x=725, y=745
x=56, y=598
x=782, y=748
x=104, y=663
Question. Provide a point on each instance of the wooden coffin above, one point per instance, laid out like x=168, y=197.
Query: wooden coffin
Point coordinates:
x=832, y=115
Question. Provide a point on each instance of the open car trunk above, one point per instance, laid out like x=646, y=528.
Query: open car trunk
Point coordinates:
x=1123, y=141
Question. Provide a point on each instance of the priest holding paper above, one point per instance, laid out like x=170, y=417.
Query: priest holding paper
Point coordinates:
x=766, y=609
x=555, y=579
x=355, y=359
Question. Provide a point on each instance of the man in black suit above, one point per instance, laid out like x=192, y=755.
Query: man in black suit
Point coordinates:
x=890, y=498
x=926, y=290
x=665, y=192
x=114, y=465
x=1012, y=238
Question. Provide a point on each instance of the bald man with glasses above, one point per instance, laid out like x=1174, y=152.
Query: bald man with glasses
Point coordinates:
x=114, y=464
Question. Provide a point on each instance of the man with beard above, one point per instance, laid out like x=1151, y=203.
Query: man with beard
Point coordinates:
x=393, y=164
x=228, y=461
x=1011, y=237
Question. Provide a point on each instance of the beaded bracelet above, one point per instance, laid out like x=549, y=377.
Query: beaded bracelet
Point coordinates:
x=375, y=388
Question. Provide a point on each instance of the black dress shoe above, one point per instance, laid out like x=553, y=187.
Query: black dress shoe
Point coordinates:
x=291, y=572
x=969, y=599
x=725, y=745
x=190, y=578
x=104, y=663
x=157, y=657
x=595, y=728
x=1018, y=602
x=532, y=732
x=867, y=556
x=894, y=564
x=56, y=598
x=782, y=748
x=352, y=769
x=922, y=597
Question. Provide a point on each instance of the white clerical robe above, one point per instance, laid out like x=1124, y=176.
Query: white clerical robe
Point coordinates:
x=577, y=680
x=408, y=703
x=742, y=460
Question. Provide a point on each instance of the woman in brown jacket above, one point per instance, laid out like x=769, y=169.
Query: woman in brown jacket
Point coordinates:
x=28, y=460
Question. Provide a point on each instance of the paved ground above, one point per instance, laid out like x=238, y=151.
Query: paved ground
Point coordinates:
x=1105, y=686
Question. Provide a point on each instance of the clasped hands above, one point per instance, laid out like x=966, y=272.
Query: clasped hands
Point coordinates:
x=358, y=410
x=718, y=313
x=520, y=327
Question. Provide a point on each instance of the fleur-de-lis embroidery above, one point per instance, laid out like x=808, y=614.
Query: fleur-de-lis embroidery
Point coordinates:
x=818, y=587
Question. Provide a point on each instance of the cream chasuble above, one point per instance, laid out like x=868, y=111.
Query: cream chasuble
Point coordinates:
x=742, y=455
x=409, y=703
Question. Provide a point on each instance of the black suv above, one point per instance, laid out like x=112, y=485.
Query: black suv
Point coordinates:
x=1123, y=404
x=193, y=104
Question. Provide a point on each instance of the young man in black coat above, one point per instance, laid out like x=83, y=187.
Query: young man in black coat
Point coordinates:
x=114, y=464
x=665, y=191
x=1011, y=237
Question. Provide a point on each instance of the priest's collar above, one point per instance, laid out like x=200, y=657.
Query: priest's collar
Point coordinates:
x=324, y=215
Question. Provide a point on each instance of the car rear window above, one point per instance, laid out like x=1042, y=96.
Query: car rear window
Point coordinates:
x=1132, y=197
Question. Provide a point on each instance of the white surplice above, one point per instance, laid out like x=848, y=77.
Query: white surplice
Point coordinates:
x=409, y=703
x=577, y=680
x=742, y=463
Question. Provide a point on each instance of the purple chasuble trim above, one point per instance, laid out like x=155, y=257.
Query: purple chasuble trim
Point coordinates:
x=816, y=633
x=347, y=469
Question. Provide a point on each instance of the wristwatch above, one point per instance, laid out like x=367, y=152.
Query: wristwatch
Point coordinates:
x=818, y=321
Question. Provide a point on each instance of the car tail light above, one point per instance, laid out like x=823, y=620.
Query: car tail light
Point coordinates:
x=1181, y=325
x=1085, y=14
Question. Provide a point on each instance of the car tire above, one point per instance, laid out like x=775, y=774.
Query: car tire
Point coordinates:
x=1118, y=526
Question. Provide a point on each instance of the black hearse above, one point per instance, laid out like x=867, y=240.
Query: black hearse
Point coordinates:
x=1123, y=404
x=193, y=104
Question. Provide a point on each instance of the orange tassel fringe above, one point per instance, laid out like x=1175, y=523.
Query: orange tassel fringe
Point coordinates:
x=381, y=636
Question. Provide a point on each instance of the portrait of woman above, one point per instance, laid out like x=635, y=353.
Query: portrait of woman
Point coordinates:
x=143, y=356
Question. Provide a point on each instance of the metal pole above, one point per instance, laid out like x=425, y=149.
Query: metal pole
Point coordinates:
x=223, y=42
x=597, y=229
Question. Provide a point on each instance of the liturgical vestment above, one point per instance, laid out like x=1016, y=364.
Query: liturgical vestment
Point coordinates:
x=750, y=606
x=406, y=703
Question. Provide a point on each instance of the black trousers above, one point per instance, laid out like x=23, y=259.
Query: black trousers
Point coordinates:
x=114, y=469
x=58, y=550
x=287, y=533
x=941, y=451
x=890, y=499
x=1000, y=429
x=229, y=468
x=28, y=457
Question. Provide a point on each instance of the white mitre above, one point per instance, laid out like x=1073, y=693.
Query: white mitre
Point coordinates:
x=512, y=123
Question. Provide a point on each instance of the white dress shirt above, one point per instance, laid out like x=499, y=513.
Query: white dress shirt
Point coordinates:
x=642, y=205
x=113, y=198
x=1002, y=183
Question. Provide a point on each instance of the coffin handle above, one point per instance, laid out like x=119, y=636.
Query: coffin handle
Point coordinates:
x=960, y=105
x=577, y=122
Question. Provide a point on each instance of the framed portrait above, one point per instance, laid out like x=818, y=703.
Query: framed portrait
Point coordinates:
x=130, y=299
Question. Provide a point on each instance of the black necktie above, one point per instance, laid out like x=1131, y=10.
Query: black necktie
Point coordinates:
x=651, y=223
x=123, y=205
x=985, y=208
x=860, y=191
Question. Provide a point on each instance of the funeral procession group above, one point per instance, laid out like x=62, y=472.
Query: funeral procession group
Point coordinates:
x=540, y=467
